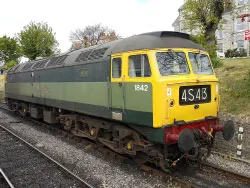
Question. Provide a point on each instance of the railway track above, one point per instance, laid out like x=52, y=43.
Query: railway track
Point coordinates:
x=229, y=172
x=4, y=180
x=187, y=176
x=247, y=162
x=26, y=166
x=208, y=175
x=204, y=175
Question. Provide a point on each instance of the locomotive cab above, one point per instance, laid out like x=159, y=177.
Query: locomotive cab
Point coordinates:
x=190, y=87
x=187, y=100
x=173, y=93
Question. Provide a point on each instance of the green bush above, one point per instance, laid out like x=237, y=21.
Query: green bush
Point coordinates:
x=235, y=53
x=216, y=62
x=10, y=64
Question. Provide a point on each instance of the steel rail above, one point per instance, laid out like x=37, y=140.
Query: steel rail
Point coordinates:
x=6, y=178
x=3, y=106
x=230, y=157
x=48, y=157
x=232, y=173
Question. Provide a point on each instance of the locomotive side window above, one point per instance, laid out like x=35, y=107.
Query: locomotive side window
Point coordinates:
x=116, y=67
x=139, y=66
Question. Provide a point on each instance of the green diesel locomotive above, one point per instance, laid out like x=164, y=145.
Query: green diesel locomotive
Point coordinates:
x=153, y=96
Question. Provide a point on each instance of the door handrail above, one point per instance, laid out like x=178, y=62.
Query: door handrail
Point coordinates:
x=123, y=93
x=109, y=92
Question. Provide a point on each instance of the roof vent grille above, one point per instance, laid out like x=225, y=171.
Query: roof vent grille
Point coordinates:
x=56, y=61
x=91, y=55
x=27, y=66
x=40, y=64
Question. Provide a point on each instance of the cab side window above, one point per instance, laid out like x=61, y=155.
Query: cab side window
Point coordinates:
x=116, y=67
x=139, y=66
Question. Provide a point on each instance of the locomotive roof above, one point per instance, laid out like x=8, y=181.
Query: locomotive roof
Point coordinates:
x=151, y=40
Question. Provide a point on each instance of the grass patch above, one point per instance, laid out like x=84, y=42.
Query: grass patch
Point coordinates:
x=234, y=79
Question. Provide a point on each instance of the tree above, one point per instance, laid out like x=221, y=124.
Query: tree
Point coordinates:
x=9, y=49
x=38, y=40
x=92, y=35
x=204, y=15
x=10, y=64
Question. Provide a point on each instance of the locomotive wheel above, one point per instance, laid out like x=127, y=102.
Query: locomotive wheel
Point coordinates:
x=140, y=158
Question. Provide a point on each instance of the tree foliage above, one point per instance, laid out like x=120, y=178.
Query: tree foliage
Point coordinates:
x=92, y=35
x=205, y=16
x=10, y=64
x=9, y=49
x=38, y=40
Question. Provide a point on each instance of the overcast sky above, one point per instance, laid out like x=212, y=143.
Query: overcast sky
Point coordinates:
x=127, y=17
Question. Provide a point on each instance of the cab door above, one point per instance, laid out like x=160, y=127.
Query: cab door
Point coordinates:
x=138, y=89
x=117, y=88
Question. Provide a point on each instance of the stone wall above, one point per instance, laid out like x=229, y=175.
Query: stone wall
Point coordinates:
x=230, y=147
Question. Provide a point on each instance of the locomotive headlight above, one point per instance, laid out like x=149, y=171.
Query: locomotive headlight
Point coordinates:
x=171, y=103
x=217, y=88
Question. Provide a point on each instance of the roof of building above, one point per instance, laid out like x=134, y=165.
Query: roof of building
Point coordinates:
x=181, y=7
x=176, y=21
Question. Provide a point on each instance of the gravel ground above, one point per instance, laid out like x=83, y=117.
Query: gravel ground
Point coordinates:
x=27, y=168
x=90, y=164
x=231, y=147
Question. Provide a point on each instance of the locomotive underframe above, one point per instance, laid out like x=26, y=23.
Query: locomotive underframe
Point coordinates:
x=117, y=136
